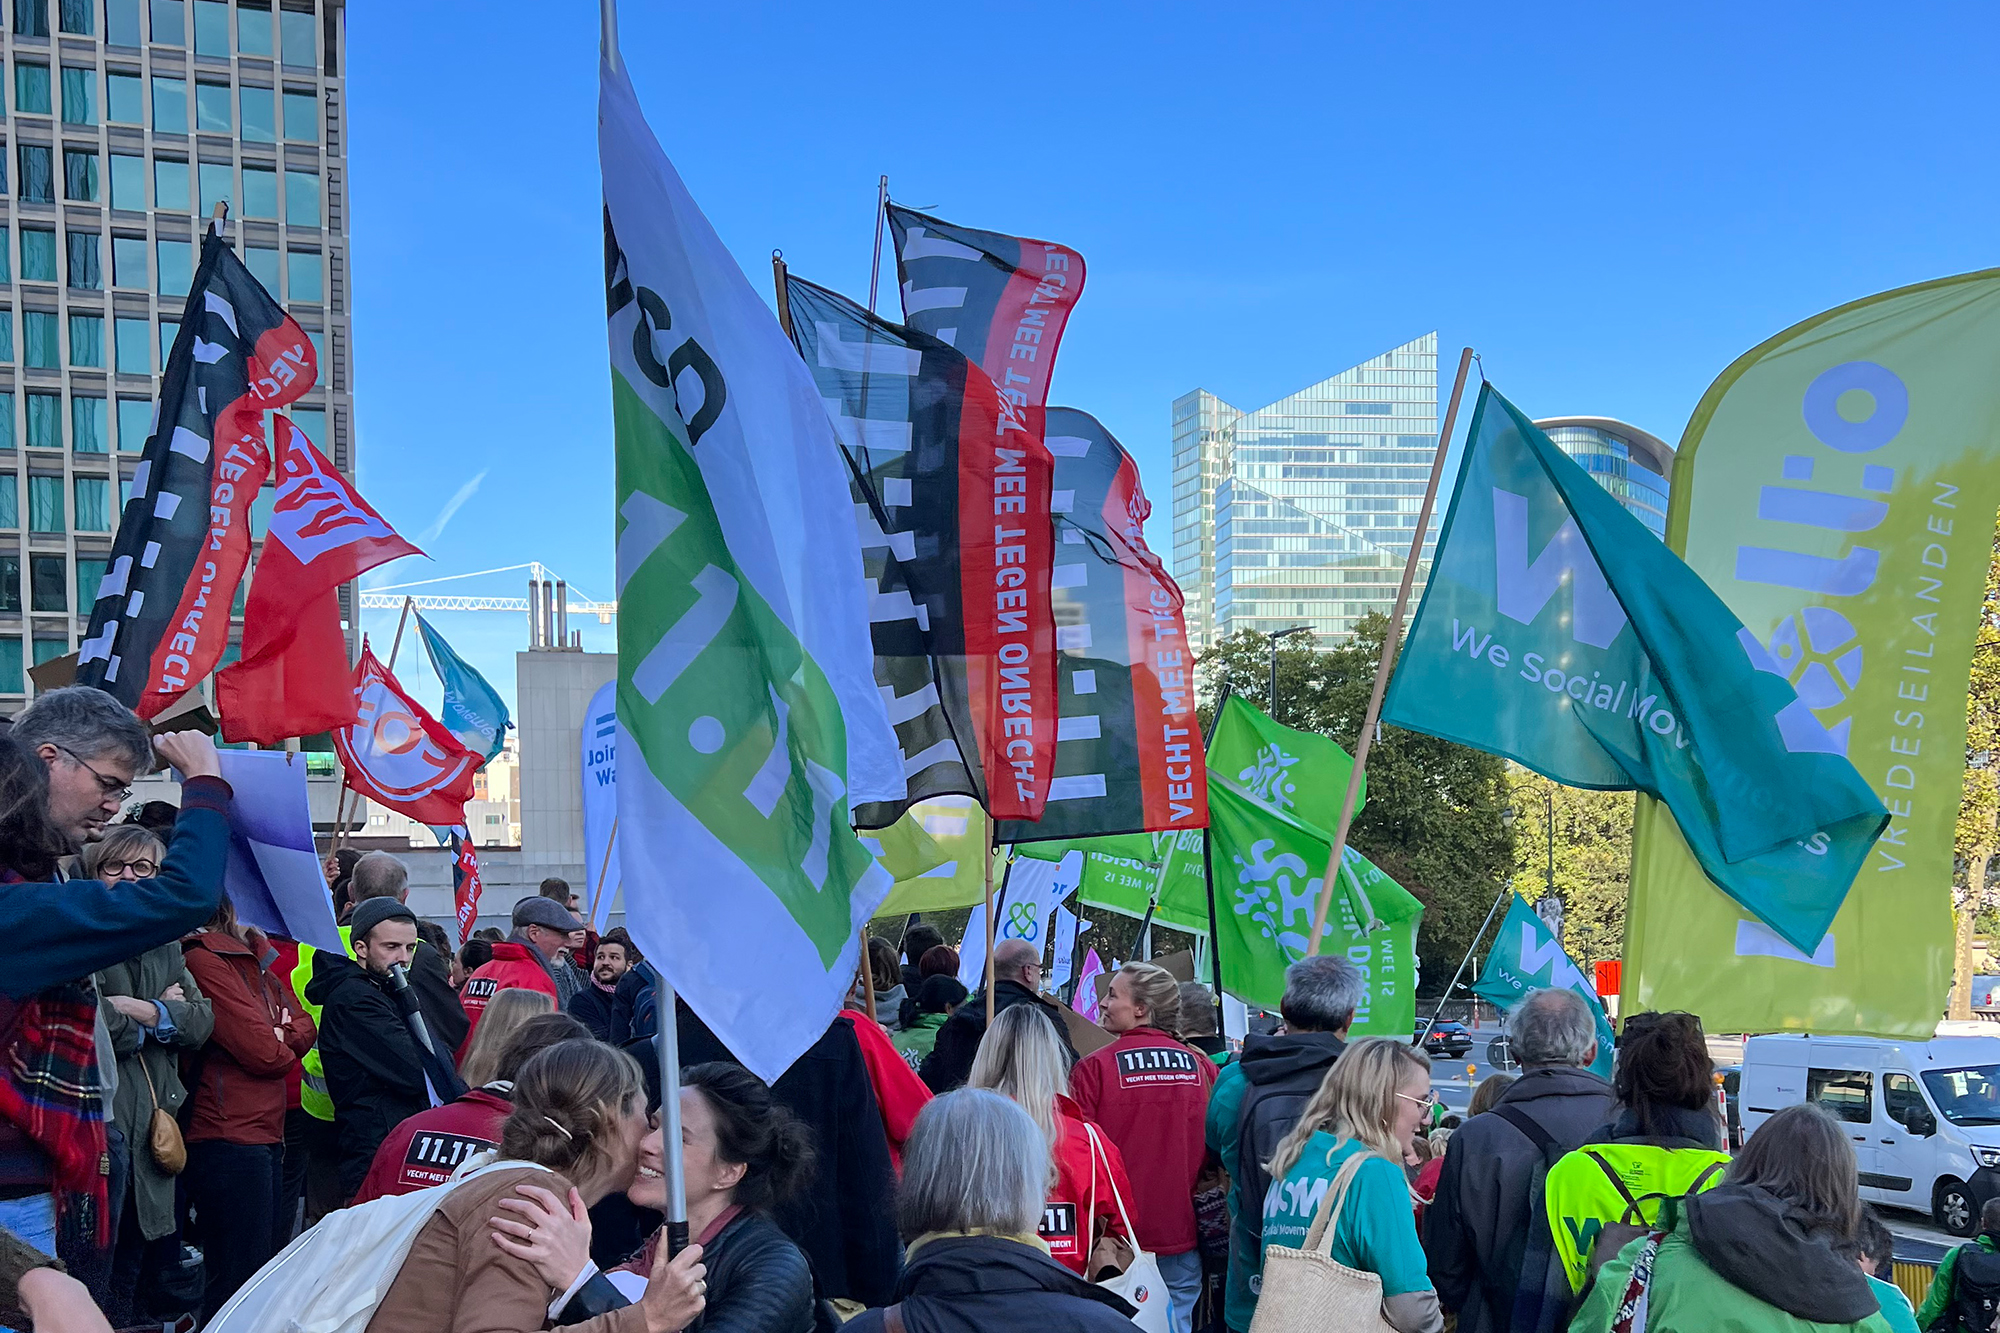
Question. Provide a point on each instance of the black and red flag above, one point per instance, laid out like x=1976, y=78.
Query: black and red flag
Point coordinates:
x=161, y=620
x=466, y=885
x=1128, y=747
x=951, y=492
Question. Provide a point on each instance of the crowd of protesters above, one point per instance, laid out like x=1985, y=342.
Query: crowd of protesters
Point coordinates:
x=180, y=1097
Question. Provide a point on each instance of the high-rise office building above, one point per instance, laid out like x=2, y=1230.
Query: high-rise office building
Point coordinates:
x=1302, y=512
x=129, y=121
x=1630, y=463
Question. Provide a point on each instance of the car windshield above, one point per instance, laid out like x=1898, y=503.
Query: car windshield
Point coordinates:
x=1966, y=1096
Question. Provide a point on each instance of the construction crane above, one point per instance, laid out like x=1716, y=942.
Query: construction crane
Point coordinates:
x=548, y=596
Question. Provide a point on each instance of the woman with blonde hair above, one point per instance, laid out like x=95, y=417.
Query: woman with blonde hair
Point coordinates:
x=1368, y=1107
x=1149, y=1094
x=505, y=1013
x=1021, y=1058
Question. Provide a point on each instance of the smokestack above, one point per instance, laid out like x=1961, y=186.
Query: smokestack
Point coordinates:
x=562, y=613
x=534, y=617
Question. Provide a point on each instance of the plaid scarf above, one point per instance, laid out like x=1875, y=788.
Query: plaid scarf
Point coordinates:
x=49, y=1087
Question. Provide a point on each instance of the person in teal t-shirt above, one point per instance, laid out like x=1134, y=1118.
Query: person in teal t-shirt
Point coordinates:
x=1371, y=1103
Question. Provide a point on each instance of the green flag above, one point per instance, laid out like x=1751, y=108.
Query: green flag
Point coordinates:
x=1640, y=677
x=1525, y=957
x=1268, y=868
x=1836, y=487
x=1287, y=769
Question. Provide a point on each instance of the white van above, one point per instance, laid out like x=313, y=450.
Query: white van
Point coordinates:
x=1924, y=1115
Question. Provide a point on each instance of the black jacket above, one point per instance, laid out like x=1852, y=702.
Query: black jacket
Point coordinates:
x=592, y=1007
x=983, y=1284
x=844, y=1219
x=950, y=1062
x=758, y=1282
x=430, y=978
x=1770, y=1248
x=1476, y=1230
x=373, y=1072
x=1280, y=1074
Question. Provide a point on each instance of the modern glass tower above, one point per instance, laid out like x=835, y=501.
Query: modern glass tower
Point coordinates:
x=129, y=120
x=1302, y=512
x=1632, y=464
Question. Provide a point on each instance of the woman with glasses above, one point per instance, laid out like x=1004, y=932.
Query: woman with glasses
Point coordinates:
x=1370, y=1105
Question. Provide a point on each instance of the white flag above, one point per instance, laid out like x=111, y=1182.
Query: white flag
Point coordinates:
x=599, y=761
x=1022, y=907
x=748, y=717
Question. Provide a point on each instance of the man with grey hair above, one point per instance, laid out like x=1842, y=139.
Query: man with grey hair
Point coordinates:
x=1486, y=1233
x=1258, y=1098
x=94, y=747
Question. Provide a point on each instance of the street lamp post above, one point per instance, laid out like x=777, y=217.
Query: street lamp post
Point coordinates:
x=1272, y=641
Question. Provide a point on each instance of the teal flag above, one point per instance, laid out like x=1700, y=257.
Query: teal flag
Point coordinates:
x=473, y=709
x=1637, y=677
x=1525, y=957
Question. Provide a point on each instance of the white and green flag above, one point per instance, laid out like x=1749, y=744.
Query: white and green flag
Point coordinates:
x=748, y=717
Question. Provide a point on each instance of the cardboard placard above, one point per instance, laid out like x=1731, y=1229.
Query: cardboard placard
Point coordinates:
x=1084, y=1035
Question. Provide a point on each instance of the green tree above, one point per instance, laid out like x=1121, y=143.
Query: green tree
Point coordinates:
x=1592, y=861
x=1433, y=820
x=1978, y=830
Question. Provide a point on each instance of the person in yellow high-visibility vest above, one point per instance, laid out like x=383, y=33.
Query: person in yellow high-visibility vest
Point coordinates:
x=312, y=1127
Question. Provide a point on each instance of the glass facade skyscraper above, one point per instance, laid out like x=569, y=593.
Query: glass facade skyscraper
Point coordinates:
x=129, y=120
x=1632, y=464
x=1302, y=512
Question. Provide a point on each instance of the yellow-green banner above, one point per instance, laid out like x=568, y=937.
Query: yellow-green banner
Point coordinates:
x=1837, y=488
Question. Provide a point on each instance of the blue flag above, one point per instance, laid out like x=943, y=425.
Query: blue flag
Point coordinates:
x=473, y=710
x=1526, y=957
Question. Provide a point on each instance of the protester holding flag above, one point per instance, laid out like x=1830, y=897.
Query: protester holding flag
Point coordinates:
x=236, y=1130
x=1150, y=1094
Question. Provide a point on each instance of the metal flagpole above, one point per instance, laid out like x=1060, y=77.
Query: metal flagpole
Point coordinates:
x=991, y=847
x=1388, y=660
x=784, y=294
x=881, y=217
x=1505, y=891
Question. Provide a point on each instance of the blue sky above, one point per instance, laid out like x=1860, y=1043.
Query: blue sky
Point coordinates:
x=1609, y=205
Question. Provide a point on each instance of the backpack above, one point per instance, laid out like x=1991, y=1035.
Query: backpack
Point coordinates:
x=332, y=1278
x=1975, y=1291
x=1541, y=1301
x=1631, y=1222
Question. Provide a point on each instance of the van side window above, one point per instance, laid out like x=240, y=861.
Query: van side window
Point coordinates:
x=1902, y=1100
x=1846, y=1094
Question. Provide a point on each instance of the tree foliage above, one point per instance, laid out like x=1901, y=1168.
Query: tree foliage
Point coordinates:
x=1433, y=818
x=1978, y=829
x=1593, y=859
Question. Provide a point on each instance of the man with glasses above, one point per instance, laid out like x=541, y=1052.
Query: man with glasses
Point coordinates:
x=94, y=747
x=1017, y=979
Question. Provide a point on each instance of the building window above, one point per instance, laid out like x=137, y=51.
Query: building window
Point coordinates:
x=48, y=649
x=135, y=346
x=79, y=96
x=128, y=262
x=301, y=199
x=128, y=182
x=86, y=424
x=121, y=22
x=6, y=358
x=79, y=16
x=86, y=271
x=211, y=28
x=211, y=107
x=6, y=257
x=40, y=336
x=253, y=29
x=86, y=341
x=38, y=173
x=93, y=509
x=45, y=508
x=31, y=18
x=312, y=421
x=260, y=192
x=135, y=422
x=10, y=517
x=170, y=329
x=318, y=341
x=176, y=266
x=303, y=281
x=169, y=23
x=170, y=184
x=170, y=104
x=47, y=575
x=38, y=255
x=31, y=89
x=44, y=421
x=80, y=175
x=260, y=122
x=124, y=99
x=298, y=35
x=13, y=679
x=301, y=117
x=89, y=573
x=218, y=185
x=263, y=265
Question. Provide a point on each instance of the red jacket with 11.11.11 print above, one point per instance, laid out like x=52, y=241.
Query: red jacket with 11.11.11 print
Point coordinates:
x=1150, y=1094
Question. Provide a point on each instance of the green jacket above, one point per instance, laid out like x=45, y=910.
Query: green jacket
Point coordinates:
x=916, y=1040
x=1687, y=1296
x=1225, y=1113
x=1944, y=1284
x=141, y=1056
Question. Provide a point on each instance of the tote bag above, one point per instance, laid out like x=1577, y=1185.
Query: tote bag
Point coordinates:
x=1140, y=1284
x=1305, y=1291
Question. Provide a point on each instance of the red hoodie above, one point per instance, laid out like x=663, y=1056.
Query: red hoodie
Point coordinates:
x=514, y=967
x=425, y=1149
x=1069, y=1221
x=898, y=1091
x=1150, y=1094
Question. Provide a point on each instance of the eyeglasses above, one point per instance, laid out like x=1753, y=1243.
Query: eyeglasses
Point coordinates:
x=110, y=786
x=143, y=869
x=1427, y=1101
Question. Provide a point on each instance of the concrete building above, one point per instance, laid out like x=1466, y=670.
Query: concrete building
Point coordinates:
x=1634, y=465
x=1302, y=512
x=553, y=686
x=130, y=120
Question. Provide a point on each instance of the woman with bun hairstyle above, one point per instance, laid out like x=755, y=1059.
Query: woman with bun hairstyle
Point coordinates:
x=743, y=1154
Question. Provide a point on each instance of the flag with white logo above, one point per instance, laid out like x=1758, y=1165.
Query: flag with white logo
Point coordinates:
x=472, y=708
x=598, y=763
x=1557, y=631
x=749, y=721
x=466, y=885
x=1526, y=957
x=293, y=679
x=161, y=620
x=398, y=755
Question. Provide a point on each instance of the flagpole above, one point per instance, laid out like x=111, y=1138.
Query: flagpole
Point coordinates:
x=881, y=216
x=778, y=272
x=402, y=620
x=1387, y=662
x=867, y=974
x=988, y=858
x=607, y=19
x=603, y=869
x=1208, y=871
x=1506, y=891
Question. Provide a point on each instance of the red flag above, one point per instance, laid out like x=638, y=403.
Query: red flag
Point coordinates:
x=398, y=755
x=465, y=883
x=293, y=679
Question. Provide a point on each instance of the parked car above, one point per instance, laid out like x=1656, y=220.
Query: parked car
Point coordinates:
x=1924, y=1115
x=1449, y=1040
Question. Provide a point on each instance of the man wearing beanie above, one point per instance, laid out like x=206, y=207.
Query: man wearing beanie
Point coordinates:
x=521, y=961
x=373, y=1071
